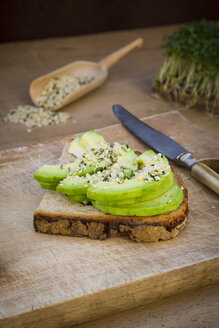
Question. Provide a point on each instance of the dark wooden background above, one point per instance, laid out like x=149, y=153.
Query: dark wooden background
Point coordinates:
x=36, y=19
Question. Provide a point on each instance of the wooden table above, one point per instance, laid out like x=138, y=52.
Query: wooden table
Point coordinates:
x=129, y=84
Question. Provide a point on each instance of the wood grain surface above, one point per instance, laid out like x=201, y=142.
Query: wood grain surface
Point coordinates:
x=56, y=281
x=193, y=309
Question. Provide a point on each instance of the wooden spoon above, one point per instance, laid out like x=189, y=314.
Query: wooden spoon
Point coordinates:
x=99, y=71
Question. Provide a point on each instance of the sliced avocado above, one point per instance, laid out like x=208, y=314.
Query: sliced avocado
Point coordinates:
x=168, y=202
x=107, y=191
x=127, y=184
x=84, y=143
x=72, y=186
x=164, y=185
x=54, y=173
x=147, y=158
x=79, y=199
x=138, y=186
x=128, y=159
x=104, y=191
x=125, y=165
x=76, y=148
x=46, y=185
x=92, y=139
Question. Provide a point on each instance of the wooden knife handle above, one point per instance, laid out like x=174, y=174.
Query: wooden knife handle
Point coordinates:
x=117, y=55
x=207, y=176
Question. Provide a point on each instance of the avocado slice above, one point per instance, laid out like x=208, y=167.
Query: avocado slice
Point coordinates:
x=79, y=198
x=154, y=179
x=76, y=148
x=47, y=185
x=79, y=146
x=74, y=184
x=150, y=158
x=147, y=158
x=93, y=139
x=54, y=173
x=104, y=191
x=84, y=143
x=168, y=202
x=151, y=193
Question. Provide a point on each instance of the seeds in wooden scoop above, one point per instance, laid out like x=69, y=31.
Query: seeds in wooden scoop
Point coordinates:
x=58, y=88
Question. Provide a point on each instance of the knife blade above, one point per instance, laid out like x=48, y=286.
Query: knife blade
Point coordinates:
x=155, y=139
x=167, y=146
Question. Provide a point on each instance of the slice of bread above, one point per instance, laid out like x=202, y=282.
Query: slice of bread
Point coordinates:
x=59, y=216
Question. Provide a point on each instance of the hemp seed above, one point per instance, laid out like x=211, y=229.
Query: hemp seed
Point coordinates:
x=33, y=116
x=58, y=88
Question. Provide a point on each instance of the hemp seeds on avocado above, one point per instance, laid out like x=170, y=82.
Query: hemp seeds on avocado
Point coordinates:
x=190, y=72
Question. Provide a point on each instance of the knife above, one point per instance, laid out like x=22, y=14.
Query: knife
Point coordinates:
x=165, y=145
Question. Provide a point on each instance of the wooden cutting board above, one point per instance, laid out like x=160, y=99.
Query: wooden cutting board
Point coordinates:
x=56, y=281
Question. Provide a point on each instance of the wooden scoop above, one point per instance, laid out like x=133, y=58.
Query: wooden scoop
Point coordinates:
x=98, y=71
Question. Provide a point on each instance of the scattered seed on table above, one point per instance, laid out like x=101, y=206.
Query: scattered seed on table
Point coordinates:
x=33, y=116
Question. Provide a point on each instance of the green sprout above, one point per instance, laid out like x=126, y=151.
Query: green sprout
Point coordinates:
x=190, y=72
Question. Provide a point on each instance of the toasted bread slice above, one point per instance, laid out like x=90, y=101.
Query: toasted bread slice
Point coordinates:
x=59, y=216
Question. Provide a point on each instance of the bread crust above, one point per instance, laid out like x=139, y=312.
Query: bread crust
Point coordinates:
x=85, y=221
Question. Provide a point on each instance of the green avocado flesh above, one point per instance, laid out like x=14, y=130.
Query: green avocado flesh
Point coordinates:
x=168, y=202
x=134, y=188
x=47, y=185
x=114, y=178
x=91, y=139
x=56, y=173
x=76, y=148
x=68, y=188
x=79, y=199
x=82, y=144
x=130, y=189
x=138, y=193
x=78, y=185
x=53, y=173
